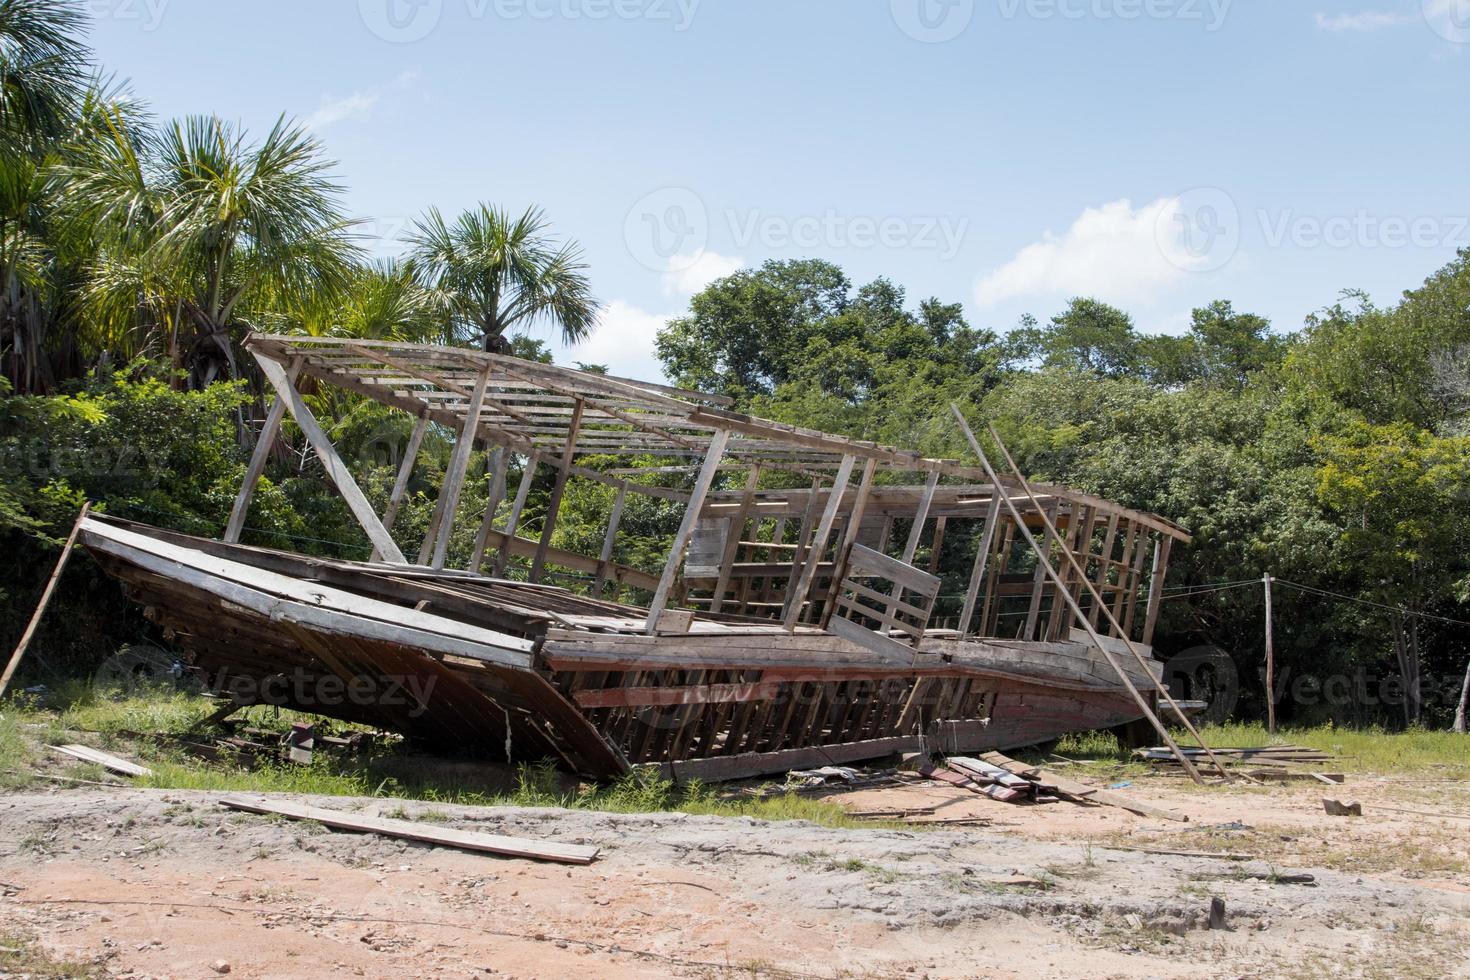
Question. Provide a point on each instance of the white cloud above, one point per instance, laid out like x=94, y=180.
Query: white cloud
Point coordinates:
x=1368, y=20
x=357, y=104
x=1114, y=252
x=688, y=274
x=624, y=342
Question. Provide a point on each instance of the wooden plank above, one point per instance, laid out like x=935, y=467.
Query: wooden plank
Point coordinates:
x=609, y=540
x=921, y=517
x=725, y=768
x=464, y=840
x=499, y=461
x=103, y=759
x=25, y=639
x=553, y=507
x=735, y=532
x=642, y=697
x=982, y=559
x=911, y=578
x=1081, y=791
x=528, y=476
x=702, y=485
x=1156, y=587
x=337, y=470
x=878, y=643
x=259, y=458
x=797, y=597
x=435, y=550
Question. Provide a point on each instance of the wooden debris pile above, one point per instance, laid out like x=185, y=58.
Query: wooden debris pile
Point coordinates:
x=1002, y=778
x=1281, y=763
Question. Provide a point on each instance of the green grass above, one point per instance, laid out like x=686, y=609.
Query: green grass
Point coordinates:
x=1371, y=750
x=22, y=956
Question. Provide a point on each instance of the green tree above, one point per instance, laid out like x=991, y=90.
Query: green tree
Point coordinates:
x=493, y=273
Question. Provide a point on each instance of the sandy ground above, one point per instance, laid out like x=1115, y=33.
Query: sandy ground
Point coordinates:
x=168, y=883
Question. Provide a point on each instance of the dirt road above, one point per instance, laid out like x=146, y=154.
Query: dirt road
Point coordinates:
x=167, y=883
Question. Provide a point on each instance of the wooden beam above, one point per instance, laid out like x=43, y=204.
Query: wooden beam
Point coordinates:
x=982, y=560
x=405, y=472
x=528, y=476
x=813, y=558
x=921, y=517
x=25, y=638
x=733, y=537
x=1156, y=587
x=854, y=528
x=558, y=491
x=337, y=470
x=706, y=478
x=723, y=768
x=499, y=460
x=441, y=529
x=609, y=541
x=464, y=840
x=259, y=458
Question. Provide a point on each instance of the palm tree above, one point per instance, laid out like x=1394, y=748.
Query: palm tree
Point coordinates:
x=206, y=233
x=490, y=272
x=43, y=87
x=380, y=301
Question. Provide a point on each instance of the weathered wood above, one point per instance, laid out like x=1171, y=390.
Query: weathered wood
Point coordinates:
x=259, y=458
x=441, y=529
x=726, y=768
x=499, y=461
x=798, y=596
x=732, y=539
x=642, y=697
x=30, y=631
x=408, y=830
x=921, y=517
x=528, y=476
x=103, y=759
x=702, y=485
x=337, y=470
x=982, y=559
x=558, y=491
x=1067, y=596
x=1156, y=588
x=609, y=540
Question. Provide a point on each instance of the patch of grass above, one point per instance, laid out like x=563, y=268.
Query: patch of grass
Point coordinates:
x=822, y=861
x=18, y=754
x=1363, y=750
x=22, y=956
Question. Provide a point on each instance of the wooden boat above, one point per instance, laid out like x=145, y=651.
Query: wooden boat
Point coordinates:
x=792, y=624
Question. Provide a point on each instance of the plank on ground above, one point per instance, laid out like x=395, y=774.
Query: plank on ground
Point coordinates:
x=104, y=760
x=408, y=830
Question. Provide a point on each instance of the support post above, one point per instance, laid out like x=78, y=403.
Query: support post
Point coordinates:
x=732, y=545
x=259, y=458
x=921, y=517
x=513, y=523
x=1156, y=588
x=1076, y=608
x=1270, y=661
x=498, y=462
x=797, y=598
x=982, y=562
x=707, y=474
x=25, y=638
x=405, y=472
x=436, y=544
x=549, y=525
x=337, y=470
x=609, y=541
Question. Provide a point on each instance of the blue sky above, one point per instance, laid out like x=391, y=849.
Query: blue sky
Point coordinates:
x=1006, y=154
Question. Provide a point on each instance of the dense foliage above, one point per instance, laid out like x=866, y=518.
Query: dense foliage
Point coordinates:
x=135, y=255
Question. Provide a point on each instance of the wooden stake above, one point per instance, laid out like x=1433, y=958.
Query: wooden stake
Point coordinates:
x=1097, y=640
x=1270, y=662
x=25, y=639
x=259, y=458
